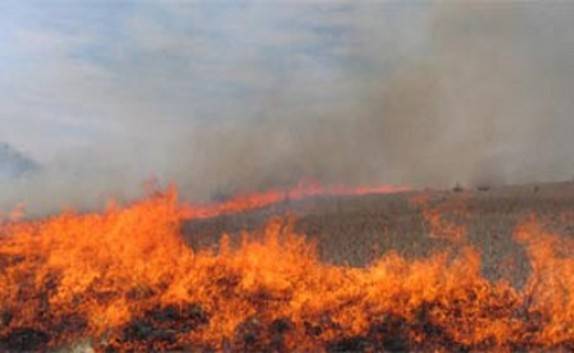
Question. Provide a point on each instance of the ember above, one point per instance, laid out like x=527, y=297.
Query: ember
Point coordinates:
x=125, y=280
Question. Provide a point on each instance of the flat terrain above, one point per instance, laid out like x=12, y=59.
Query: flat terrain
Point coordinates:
x=463, y=316
x=354, y=230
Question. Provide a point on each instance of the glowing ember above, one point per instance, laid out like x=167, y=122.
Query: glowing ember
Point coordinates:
x=125, y=279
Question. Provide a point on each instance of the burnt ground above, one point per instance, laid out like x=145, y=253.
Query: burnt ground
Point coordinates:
x=354, y=230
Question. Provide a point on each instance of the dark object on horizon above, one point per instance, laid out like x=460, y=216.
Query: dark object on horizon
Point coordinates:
x=483, y=188
x=14, y=164
x=536, y=188
x=458, y=188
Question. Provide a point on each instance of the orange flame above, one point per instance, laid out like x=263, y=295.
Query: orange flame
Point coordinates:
x=245, y=202
x=125, y=279
x=435, y=216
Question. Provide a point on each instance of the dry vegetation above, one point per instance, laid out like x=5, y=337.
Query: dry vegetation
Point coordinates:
x=271, y=294
x=356, y=230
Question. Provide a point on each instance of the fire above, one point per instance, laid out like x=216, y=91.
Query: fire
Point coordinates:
x=244, y=202
x=438, y=225
x=126, y=281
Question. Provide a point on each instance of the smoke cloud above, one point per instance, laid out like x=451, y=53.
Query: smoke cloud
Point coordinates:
x=421, y=95
x=486, y=103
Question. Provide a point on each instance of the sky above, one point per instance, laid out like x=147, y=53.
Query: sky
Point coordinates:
x=73, y=72
x=226, y=96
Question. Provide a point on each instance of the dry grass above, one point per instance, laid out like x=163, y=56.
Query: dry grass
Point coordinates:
x=356, y=230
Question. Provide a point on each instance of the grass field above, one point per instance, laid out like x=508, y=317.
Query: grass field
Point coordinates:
x=358, y=229
x=274, y=296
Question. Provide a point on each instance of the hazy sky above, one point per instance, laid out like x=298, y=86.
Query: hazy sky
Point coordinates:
x=239, y=95
x=73, y=72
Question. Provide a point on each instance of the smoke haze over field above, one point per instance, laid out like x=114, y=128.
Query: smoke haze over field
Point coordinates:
x=230, y=96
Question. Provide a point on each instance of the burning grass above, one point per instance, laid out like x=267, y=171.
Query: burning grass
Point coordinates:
x=126, y=280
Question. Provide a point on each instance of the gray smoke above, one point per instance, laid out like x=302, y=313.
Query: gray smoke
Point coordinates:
x=14, y=164
x=480, y=93
x=488, y=102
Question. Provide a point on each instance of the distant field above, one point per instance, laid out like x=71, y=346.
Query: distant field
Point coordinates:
x=355, y=230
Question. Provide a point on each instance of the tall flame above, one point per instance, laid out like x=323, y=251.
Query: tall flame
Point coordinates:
x=126, y=280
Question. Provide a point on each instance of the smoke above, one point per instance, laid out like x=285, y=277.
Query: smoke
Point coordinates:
x=486, y=102
x=424, y=95
x=13, y=164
